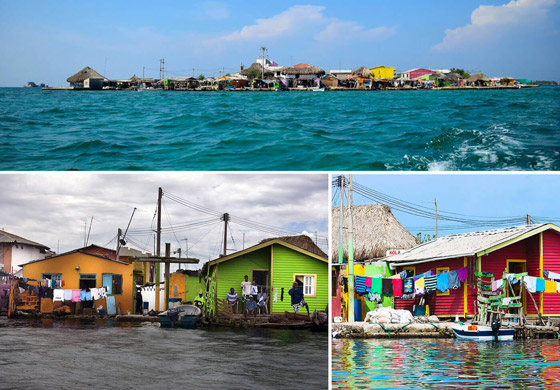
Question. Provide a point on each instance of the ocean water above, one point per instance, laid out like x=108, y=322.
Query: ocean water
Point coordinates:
x=379, y=130
x=445, y=364
x=54, y=354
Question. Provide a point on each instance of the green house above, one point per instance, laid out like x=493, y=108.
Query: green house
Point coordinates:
x=273, y=265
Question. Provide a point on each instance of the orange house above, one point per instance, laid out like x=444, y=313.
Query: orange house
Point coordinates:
x=81, y=270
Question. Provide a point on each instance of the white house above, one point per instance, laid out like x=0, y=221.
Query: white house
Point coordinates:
x=16, y=250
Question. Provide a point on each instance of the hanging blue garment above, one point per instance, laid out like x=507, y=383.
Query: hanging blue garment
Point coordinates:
x=453, y=278
x=82, y=295
x=443, y=282
x=408, y=286
x=540, y=284
x=360, y=284
x=111, y=307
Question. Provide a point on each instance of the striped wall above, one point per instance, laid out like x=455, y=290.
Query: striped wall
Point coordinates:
x=551, y=262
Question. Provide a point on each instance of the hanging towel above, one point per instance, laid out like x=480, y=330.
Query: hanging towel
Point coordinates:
x=512, y=279
x=368, y=284
x=540, y=284
x=76, y=295
x=424, y=275
x=377, y=286
x=276, y=294
x=454, y=282
x=530, y=283
x=58, y=295
x=88, y=295
x=419, y=286
x=443, y=282
x=549, y=286
x=387, y=287
x=430, y=282
x=463, y=274
x=82, y=295
x=102, y=292
x=408, y=286
x=360, y=284
x=67, y=295
x=397, y=287
x=94, y=293
x=552, y=275
x=254, y=290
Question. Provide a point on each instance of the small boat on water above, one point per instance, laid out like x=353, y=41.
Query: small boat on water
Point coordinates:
x=482, y=333
x=183, y=316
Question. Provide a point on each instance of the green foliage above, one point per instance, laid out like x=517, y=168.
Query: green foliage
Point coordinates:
x=201, y=77
x=460, y=72
x=505, y=81
x=425, y=238
x=253, y=74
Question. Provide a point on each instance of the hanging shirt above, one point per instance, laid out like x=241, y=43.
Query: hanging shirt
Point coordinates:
x=530, y=283
x=552, y=275
x=549, y=286
x=443, y=282
x=463, y=274
x=408, y=286
x=497, y=284
x=82, y=295
x=276, y=294
x=376, y=285
x=454, y=282
x=254, y=290
x=58, y=295
x=430, y=283
x=540, y=284
x=102, y=292
x=67, y=295
x=397, y=287
x=387, y=287
x=419, y=286
x=76, y=295
x=88, y=295
x=360, y=284
x=424, y=275
x=95, y=293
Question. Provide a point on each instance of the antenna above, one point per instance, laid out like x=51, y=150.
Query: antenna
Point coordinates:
x=263, y=56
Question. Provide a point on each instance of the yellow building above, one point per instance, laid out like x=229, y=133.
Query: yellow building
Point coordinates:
x=383, y=72
x=185, y=285
x=82, y=270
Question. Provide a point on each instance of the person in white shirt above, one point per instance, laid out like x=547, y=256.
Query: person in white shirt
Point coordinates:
x=246, y=288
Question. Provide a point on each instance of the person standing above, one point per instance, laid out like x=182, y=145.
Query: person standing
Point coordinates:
x=297, y=298
x=245, y=289
x=233, y=300
x=139, y=302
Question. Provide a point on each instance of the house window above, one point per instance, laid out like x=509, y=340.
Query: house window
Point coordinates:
x=308, y=284
x=51, y=276
x=113, y=282
x=413, y=269
x=439, y=271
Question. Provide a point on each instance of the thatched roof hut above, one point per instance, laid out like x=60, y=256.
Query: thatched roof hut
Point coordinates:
x=362, y=71
x=376, y=230
x=304, y=69
x=453, y=76
x=86, y=73
x=437, y=76
x=134, y=78
x=478, y=77
x=302, y=241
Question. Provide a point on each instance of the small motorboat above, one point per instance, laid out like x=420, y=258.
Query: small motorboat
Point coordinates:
x=482, y=333
x=182, y=316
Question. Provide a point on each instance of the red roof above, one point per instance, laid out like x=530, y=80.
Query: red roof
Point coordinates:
x=302, y=66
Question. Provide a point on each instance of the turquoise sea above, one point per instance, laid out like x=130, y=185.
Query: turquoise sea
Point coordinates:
x=445, y=364
x=375, y=130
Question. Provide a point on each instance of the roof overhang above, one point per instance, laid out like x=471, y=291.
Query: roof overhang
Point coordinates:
x=264, y=245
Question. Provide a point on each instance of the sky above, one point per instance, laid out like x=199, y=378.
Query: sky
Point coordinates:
x=480, y=196
x=55, y=208
x=48, y=41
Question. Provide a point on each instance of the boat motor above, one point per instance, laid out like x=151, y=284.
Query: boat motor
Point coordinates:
x=173, y=315
x=496, y=328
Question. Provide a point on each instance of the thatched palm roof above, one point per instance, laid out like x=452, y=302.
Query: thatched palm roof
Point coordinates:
x=478, y=77
x=134, y=78
x=86, y=73
x=302, y=241
x=304, y=69
x=362, y=71
x=437, y=75
x=453, y=76
x=376, y=230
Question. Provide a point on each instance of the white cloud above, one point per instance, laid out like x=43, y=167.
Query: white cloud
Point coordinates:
x=487, y=20
x=340, y=30
x=307, y=19
x=215, y=10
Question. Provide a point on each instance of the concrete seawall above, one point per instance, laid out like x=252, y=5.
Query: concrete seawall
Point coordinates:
x=371, y=330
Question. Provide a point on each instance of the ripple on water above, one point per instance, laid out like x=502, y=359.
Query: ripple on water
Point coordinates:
x=413, y=130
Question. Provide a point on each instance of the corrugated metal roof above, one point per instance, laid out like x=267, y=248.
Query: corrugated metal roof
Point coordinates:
x=10, y=238
x=460, y=245
x=75, y=251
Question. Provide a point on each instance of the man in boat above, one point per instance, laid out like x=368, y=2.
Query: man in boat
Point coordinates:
x=233, y=300
x=251, y=307
x=297, y=298
x=199, y=301
x=245, y=289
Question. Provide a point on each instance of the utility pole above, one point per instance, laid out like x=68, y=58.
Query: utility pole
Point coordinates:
x=528, y=219
x=161, y=68
x=158, y=244
x=119, y=234
x=226, y=220
x=435, y=205
x=85, y=230
x=89, y=231
x=143, y=73
x=263, y=56
x=350, y=255
x=243, y=240
x=340, y=218
x=167, y=264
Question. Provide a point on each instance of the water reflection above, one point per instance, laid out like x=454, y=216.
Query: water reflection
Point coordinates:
x=109, y=354
x=452, y=363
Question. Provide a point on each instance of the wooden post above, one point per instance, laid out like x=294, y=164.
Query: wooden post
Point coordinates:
x=167, y=266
